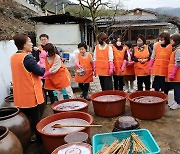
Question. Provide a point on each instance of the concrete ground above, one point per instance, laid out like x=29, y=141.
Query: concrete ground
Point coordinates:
x=166, y=130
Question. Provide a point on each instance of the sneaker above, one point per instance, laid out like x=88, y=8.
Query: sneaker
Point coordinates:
x=126, y=90
x=171, y=103
x=132, y=90
x=175, y=106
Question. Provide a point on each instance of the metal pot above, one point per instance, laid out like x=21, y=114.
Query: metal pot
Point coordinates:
x=81, y=72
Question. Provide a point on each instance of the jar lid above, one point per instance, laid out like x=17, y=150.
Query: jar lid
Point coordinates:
x=73, y=148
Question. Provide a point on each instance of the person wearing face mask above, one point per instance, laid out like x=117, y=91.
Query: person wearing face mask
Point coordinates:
x=158, y=65
x=28, y=95
x=103, y=62
x=83, y=60
x=174, y=71
x=141, y=56
x=119, y=64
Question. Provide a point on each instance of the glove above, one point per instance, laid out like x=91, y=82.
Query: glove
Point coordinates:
x=173, y=73
x=151, y=62
x=111, y=67
x=78, y=65
x=42, y=57
x=46, y=74
x=94, y=68
x=123, y=66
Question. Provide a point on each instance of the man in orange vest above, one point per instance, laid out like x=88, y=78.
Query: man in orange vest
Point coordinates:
x=27, y=89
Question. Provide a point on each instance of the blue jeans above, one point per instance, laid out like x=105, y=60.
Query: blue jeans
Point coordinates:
x=177, y=92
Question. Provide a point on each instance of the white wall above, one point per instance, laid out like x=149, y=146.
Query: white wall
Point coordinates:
x=7, y=48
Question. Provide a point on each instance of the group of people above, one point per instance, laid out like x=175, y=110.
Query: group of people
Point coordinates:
x=116, y=64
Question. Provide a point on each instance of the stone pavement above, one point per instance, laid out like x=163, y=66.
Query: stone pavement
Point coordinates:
x=166, y=130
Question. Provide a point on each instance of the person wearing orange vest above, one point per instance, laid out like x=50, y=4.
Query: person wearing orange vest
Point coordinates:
x=27, y=91
x=57, y=77
x=129, y=74
x=119, y=64
x=158, y=65
x=83, y=60
x=103, y=62
x=141, y=56
x=174, y=71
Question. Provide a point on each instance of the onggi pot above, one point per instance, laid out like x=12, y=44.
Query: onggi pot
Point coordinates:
x=147, y=111
x=8, y=101
x=81, y=109
x=17, y=122
x=109, y=108
x=9, y=143
x=52, y=141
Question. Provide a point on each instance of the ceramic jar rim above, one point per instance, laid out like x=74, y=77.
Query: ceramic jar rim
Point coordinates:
x=15, y=109
x=4, y=134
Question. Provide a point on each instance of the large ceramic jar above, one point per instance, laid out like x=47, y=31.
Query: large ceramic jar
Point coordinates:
x=9, y=143
x=8, y=101
x=17, y=122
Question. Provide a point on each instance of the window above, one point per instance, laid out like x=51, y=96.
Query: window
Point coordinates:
x=152, y=34
x=135, y=33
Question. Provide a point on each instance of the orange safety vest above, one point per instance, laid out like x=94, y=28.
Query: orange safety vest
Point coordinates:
x=118, y=60
x=86, y=64
x=160, y=66
x=58, y=80
x=170, y=68
x=129, y=70
x=27, y=87
x=141, y=69
x=102, y=61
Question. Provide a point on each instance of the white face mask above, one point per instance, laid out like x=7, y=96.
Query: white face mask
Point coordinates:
x=161, y=42
x=118, y=43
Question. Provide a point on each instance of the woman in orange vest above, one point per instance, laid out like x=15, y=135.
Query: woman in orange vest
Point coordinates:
x=119, y=64
x=129, y=75
x=174, y=71
x=159, y=62
x=28, y=95
x=57, y=76
x=84, y=61
x=141, y=56
x=103, y=62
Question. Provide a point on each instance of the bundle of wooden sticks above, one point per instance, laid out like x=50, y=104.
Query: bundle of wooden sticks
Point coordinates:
x=124, y=146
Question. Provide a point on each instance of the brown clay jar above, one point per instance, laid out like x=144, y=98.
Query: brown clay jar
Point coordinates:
x=17, y=122
x=8, y=101
x=9, y=143
x=125, y=123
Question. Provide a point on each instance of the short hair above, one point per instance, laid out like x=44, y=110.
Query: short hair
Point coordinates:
x=44, y=35
x=176, y=39
x=82, y=45
x=101, y=37
x=128, y=44
x=142, y=37
x=49, y=47
x=20, y=40
x=166, y=37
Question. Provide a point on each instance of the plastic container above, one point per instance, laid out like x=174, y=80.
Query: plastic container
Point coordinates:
x=52, y=141
x=108, y=138
x=148, y=111
x=109, y=108
x=83, y=109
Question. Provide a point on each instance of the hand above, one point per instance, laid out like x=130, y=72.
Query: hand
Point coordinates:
x=46, y=74
x=149, y=70
x=122, y=69
x=110, y=71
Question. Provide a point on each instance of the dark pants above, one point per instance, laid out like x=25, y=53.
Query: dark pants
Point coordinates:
x=34, y=115
x=160, y=83
x=145, y=80
x=177, y=92
x=118, y=82
x=85, y=88
x=106, y=82
x=50, y=94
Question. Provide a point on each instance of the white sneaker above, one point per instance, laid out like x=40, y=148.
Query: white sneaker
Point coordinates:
x=171, y=103
x=126, y=90
x=175, y=106
x=132, y=90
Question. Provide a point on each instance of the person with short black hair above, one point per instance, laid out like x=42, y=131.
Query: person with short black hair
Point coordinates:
x=84, y=62
x=28, y=95
x=141, y=56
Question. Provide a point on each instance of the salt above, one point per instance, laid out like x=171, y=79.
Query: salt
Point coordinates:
x=105, y=98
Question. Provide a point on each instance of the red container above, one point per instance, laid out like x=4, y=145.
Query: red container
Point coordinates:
x=52, y=141
x=109, y=108
x=147, y=111
x=70, y=144
x=84, y=109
